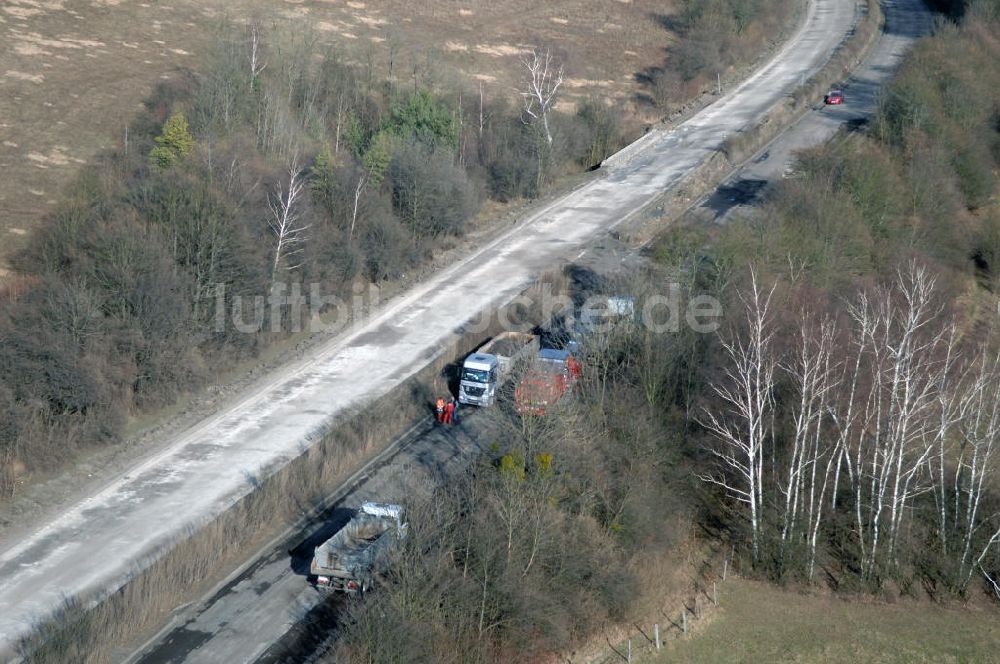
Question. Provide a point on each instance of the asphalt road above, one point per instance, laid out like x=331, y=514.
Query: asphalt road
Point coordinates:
x=97, y=543
x=264, y=613
x=905, y=21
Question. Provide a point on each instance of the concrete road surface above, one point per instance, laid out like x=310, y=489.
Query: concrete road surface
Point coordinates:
x=97, y=543
x=905, y=21
x=263, y=615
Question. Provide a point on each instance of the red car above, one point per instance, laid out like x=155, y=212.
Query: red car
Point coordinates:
x=834, y=97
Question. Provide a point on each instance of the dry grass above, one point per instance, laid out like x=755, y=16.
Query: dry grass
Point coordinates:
x=75, y=73
x=757, y=622
x=603, y=42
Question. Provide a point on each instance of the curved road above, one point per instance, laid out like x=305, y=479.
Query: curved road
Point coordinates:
x=905, y=21
x=97, y=543
x=263, y=613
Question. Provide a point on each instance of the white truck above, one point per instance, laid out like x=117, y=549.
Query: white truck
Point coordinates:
x=348, y=561
x=485, y=370
x=599, y=314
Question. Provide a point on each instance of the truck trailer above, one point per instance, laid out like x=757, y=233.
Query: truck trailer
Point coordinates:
x=551, y=377
x=348, y=561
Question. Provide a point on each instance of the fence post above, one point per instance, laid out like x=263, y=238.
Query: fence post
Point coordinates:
x=725, y=568
x=656, y=634
x=715, y=594
x=630, y=651
x=684, y=619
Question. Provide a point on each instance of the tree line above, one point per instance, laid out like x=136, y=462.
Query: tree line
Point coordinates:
x=277, y=161
x=714, y=37
x=850, y=421
x=865, y=443
x=841, y=429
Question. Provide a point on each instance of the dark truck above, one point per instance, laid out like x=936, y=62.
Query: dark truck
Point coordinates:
x=348, y=561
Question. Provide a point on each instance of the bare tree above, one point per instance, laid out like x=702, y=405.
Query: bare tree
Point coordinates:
x=341, y=116
x=289, y=100
x=813, y=455
x=358, y=190
x=285, y=220
x=900, y=395
x=747, y=393
x=979, y=424
x=368, y=175
x=651, y=365
x=255, y=49
x=542, y=80
x=891, y=401
x=951, y=406
x=482, y=117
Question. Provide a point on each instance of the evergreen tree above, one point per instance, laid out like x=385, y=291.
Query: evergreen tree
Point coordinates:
x=173, y=143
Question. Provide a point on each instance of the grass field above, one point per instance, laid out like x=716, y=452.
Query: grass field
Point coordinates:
x=603, y=42
x=72, y=75
x=757, y=622
x=73, y=72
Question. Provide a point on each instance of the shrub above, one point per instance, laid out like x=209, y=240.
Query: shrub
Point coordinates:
x=432, y=195
x=173, y=144
x=388, y=250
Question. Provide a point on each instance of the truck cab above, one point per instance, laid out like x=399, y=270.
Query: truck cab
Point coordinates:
x=480, y=377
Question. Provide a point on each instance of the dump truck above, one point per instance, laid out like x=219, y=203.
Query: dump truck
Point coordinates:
x=489, y=365
x=551, y=376
x=348, y=561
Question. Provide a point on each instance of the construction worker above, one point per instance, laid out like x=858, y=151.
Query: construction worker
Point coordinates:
x=439, y=409
x=449, y=410
x=454, y=412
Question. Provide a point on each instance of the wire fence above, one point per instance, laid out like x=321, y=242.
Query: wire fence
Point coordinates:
x=644, y=640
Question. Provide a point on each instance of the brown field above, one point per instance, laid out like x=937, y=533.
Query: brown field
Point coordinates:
x=73, y=72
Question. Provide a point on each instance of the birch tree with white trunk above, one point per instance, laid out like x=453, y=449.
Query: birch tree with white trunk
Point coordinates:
x=815, y=448
x=905, y=361
x=743, y=426
x=975, y=467
x=255, y=49
x=893, y=402
x=543, y=78
x=285, y=221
